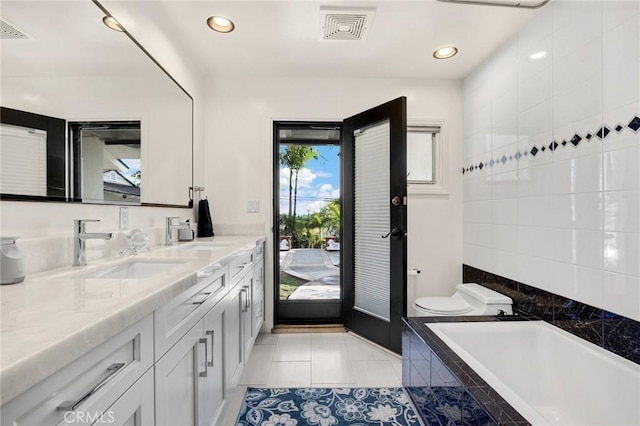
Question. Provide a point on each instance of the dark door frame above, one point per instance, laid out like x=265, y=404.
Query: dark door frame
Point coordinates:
x=299, y=311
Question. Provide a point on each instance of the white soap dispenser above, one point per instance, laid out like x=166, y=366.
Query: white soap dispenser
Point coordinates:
x=11, y=262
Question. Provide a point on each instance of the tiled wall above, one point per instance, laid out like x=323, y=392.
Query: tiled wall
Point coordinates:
x=551, y=134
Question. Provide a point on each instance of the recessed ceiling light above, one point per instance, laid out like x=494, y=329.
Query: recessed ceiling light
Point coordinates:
x=111, y=22
x=445, y=52
x=220, y=24
x=537, y=55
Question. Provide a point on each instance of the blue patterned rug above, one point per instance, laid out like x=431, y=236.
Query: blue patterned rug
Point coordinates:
x=327, y=407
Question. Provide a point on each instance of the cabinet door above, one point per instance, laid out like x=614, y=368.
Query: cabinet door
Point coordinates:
x=234, y=344
x=135, y=407
x=213, y=395
x=257, y=305
x=247, y=323
x=177, y=374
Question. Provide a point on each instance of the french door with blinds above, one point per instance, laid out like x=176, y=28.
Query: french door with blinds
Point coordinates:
x=374, y=223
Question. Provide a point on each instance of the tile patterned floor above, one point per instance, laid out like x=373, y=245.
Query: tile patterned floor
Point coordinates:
x=314, y=360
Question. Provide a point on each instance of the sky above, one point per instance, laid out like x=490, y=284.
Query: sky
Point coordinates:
x=318, y=182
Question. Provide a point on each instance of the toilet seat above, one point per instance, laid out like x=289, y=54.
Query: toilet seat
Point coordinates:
x=443, y=305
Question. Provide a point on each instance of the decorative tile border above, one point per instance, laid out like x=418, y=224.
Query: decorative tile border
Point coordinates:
x=575, y=141
x=613, y=332
x=433, y=373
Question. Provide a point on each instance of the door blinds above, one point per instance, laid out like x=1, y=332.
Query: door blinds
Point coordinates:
x=23, y=158
x=372, y=219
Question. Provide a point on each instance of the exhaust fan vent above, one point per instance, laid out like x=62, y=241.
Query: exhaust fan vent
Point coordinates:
x=345, y=24
x=9, y=32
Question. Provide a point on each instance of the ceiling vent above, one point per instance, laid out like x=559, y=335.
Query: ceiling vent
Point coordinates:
x=10, y=32
x=345, y=24
x=525, y=4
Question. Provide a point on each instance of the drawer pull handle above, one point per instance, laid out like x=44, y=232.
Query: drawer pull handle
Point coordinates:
x=206, y=356
x=211, y=333
x=200, y=302
x=247, y=302
x=72, y=405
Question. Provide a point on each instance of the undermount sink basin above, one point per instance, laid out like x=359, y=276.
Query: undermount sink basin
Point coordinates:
x=205, y=246
x=130, y=270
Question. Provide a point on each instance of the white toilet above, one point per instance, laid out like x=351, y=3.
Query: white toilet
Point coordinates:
x=469, y=299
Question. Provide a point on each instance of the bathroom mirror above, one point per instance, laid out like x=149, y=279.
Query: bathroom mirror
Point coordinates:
x=60, y=63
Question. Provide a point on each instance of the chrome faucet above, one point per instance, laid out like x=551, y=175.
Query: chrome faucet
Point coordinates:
x=168, y=236
x=79, y=237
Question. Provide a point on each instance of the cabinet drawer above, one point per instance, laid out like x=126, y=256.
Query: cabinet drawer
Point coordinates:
x=174, y=319
x=82, y=391
x=239, y=266
x=135, y=407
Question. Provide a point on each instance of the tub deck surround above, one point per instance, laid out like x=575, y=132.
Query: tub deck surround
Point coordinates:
x=50, y=319
x=613, y=332
x=428, y=364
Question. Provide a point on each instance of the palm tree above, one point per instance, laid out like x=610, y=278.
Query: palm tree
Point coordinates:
x=294, y=157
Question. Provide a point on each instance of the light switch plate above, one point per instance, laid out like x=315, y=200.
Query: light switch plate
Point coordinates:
x=253, y=206
x=124, y=218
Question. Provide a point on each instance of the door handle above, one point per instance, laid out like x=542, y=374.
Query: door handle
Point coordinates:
x=210, y=333
x=206, y=357
x=396, y=234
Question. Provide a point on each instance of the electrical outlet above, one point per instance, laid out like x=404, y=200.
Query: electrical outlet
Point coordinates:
x=124, y=218
x=253, y=206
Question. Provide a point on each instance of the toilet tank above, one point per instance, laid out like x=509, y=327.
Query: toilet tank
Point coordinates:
x=482, y=295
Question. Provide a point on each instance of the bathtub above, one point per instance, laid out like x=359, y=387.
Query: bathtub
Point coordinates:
x=550, y=376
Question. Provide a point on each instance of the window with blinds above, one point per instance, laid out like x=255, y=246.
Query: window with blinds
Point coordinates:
x=372, y=218
x=421, y=154
x=23, y=157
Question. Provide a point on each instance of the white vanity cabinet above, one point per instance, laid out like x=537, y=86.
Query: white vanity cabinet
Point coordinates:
x=174, y=367
x=93, y=388
x=188, y=340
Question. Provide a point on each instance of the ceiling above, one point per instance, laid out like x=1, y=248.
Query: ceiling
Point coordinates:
x=282, y=38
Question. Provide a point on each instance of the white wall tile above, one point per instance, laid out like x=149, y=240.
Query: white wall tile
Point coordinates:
x=535, y=90
x=505, y=238
x=477, y=189
x=535, y=211
x=505, y=264
x=536, y=241
x=477, y=256
x=576, y=104
x=504, y=211
x=621, y=67
x=583, y=174
x=578, y=247
x=571, y=222
x=536, y=121
x=535, y=181
x=622, y=252
x=536, y=272
x=621, y=169
x=575, y=23
x=578, y=283
x=622, y=211
x=616, y=12
x=477, y=211
x=578, y=211
x=505, y=185
x=478, y=234
x=622, y=294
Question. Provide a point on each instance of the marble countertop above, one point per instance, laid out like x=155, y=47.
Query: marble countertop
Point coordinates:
x=51, y=319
